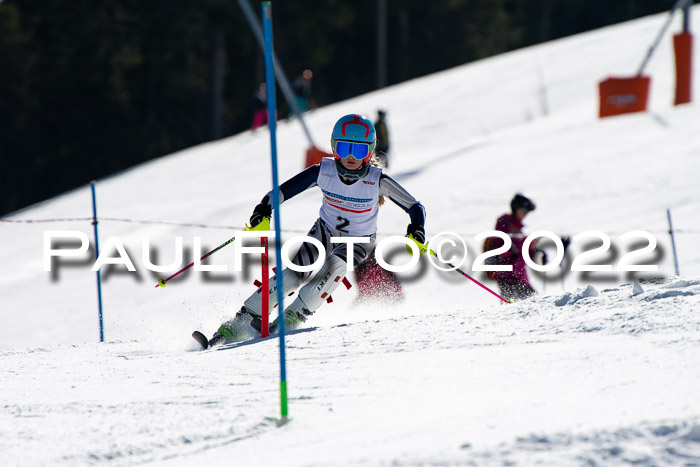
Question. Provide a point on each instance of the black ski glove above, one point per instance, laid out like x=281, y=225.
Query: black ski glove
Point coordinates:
x=259, y=213
x=417, y=232
x=565, y=241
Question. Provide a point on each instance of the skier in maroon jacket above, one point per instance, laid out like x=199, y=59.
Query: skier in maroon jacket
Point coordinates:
x=515, y=284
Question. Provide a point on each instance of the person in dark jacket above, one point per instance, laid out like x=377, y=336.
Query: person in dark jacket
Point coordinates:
x=382, y=138
x=260, y=115
x=302, y=91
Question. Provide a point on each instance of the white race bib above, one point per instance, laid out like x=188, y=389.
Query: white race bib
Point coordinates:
x=351, y=209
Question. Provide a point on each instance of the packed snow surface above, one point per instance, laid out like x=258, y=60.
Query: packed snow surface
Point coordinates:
x=600, y=368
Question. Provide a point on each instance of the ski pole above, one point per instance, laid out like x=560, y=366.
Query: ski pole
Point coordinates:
x=263, y=225
x=161, y=282
x=469, y=277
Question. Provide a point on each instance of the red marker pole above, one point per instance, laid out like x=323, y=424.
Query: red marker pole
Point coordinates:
x=265, y=288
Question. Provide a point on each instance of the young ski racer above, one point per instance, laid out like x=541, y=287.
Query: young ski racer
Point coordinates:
x=351, y=187
x=515, y=284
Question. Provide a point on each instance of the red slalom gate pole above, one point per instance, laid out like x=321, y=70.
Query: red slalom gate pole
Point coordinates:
x=265, y=289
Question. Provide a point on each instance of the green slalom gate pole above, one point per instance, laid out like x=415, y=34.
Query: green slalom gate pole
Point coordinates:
x=272, y=119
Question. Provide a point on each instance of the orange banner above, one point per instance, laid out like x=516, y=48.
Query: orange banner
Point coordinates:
x=623, y=95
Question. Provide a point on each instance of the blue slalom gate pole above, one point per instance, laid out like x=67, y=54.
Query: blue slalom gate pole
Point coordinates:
x=673, y=242
x=97, y=255
x=272, y=119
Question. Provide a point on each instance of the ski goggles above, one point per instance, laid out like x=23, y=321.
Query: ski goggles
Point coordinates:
x=344, y=149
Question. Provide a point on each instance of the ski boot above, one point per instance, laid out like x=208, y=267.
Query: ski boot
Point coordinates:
x=236, y=330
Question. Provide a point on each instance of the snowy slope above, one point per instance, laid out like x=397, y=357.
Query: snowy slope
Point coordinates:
x=606, y=380
x=576, y=375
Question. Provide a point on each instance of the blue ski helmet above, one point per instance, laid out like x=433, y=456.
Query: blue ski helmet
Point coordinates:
x=354, y=135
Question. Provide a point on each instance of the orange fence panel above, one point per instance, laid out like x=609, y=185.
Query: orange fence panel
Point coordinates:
x=623, y=95
x=314, y=156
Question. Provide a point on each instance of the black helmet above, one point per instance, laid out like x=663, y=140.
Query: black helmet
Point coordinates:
x=519, y=201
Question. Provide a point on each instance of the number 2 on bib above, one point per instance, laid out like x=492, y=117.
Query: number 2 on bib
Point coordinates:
x=343, y=223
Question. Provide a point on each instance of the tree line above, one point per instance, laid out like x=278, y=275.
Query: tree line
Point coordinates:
x=91, y=87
